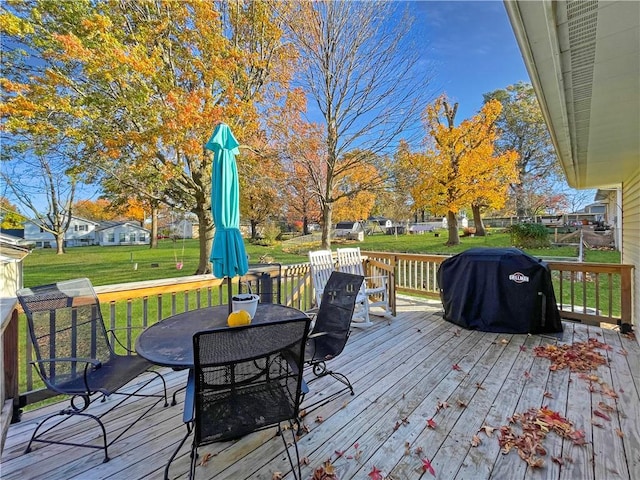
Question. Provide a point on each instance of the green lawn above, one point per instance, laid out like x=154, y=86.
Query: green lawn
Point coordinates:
x=109, y=265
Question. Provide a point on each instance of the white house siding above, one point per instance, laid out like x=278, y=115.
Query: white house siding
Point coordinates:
x=123, y=234
x=631, y=236
x=81, y=232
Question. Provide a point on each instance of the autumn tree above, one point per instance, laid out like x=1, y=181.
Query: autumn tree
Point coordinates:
x=362, y=76
x=152, y=79
x=524, y=131
x=10, y=217
x=459, y=167
x=352, y=201
x=96, y=210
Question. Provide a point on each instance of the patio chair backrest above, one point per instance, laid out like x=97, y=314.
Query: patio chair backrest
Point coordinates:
x=350, y=260
x=332, y=326
x=247, y=378
x=322, y=265
x=65, y=321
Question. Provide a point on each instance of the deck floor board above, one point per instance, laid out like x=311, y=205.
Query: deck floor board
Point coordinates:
x=403, y=375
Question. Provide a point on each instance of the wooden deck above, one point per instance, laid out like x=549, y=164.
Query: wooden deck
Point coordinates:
x=403, y=373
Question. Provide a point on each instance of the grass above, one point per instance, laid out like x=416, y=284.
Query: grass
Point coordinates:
x=110, y=265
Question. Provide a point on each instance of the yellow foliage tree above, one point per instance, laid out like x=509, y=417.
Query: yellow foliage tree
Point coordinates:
x=459, y=167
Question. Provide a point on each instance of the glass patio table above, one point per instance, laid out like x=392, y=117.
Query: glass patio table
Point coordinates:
x=169, y=343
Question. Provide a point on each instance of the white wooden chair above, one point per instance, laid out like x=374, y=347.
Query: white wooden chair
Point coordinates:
x=322, y=264
x=374, y=289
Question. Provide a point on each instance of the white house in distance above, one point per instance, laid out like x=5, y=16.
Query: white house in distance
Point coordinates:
x=109, y=234
x=83, y=232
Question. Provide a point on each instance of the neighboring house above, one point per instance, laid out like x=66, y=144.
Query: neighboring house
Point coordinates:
x=181, y=229
x=110, y=234
x=583, y=59
x=81, y=232
x=612, y=199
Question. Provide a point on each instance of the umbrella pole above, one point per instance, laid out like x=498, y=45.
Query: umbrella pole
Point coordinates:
x=229, y=292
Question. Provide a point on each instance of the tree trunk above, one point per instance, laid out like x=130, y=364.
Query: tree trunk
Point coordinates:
x=477, y=221
x=452, y=227
x=59, y=243
x=154, y=227
x=205, y=233
x=327, y=211
x=254, y=229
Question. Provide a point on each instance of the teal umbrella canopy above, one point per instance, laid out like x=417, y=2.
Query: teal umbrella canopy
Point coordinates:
x=228, y=255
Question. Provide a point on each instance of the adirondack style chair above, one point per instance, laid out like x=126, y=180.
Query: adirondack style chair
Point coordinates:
x=322, y=265
x=374, y=289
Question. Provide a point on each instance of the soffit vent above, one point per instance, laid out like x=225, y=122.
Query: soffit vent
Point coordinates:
x=582, y=17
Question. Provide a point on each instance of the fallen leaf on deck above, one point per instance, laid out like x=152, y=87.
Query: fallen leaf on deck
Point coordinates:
x=523, y=348
x=475, y=441
x=407, y=448
x=305, y=461
x=205, y=459
x=319, y=419
x=479, y=386
x=339, y=453
x=441, y=406
x=396, y=426
x=547, y=395
x=557, y=460
x=455, y=366
x=276, y=476
x=418, y=450
x=426, y=466
x=624, y=352
x=461, y=404
x=488, y=430
x=600, y=414
x=431, y=423
x=527, y=375
x=504, y=341
x=619, y=432
x=329, y=469
x=375, y=474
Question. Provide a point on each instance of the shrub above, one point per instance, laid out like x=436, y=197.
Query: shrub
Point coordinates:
x=529, y=235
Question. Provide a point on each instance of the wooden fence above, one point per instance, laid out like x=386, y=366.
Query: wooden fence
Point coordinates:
x=586, y=292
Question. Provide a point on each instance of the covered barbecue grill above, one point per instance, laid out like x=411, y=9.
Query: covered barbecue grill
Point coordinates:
x=501, y=290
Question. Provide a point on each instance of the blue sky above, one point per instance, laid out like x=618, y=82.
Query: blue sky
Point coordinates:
x=471, y=48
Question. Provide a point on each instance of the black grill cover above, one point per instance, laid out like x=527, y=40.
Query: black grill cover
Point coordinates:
x=501, y=290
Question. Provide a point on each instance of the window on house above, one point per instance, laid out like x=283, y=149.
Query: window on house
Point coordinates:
x=111, y=238
x=132, y=237
x=123, y=238
x=143, y=237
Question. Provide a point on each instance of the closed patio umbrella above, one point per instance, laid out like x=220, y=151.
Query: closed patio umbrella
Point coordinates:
x=228, y=255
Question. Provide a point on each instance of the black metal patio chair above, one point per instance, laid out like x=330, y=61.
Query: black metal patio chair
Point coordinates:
x=75, y=357
x=245, y=379
x=331, y=329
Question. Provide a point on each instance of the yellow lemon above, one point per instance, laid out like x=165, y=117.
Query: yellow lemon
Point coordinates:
x=241, y=317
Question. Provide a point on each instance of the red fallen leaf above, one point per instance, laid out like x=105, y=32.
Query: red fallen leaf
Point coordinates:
x=455, y=366
x=547, y=395
x=431, y=423
x=396, y=426
x=375, y=474
x=356, y=445
x=600, y=414
x=523, y=348
x=339, y=453
x=527, y=375
x=205, y=459
x=624, y=352
x=418, y=451
x=557, y=460
x=426, y=466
